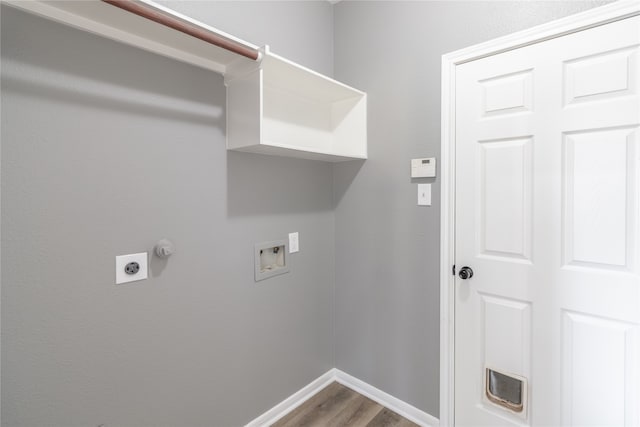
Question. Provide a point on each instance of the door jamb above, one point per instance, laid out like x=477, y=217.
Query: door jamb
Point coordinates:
x=591, y=18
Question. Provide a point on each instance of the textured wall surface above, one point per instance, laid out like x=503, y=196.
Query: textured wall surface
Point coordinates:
x=301, y=31
x=106, y=149
x=387, y=248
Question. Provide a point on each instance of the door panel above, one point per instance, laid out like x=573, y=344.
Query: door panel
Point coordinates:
x=507, y=94
x=594, y=387
x=583, y=76
x=547, y=211
x=505, y=198
x=599, y=201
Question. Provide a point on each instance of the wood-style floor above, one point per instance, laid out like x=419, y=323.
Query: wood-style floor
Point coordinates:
x=336, y=406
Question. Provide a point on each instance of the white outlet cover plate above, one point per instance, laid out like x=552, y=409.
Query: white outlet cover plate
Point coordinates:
x=294, y=242
x=123, y=260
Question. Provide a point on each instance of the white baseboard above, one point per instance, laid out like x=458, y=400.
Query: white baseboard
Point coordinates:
x=293, y=401
x=298, y=398
x=385, y=399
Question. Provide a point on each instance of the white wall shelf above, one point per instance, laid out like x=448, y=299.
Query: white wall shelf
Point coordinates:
x=274, y=106
x=281, y=108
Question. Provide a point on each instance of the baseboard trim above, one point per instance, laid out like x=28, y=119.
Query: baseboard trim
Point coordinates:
x=385, y=399
x=293, y=401
x=298, y=398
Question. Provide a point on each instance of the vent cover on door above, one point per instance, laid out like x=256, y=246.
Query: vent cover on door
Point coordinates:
x=505, y=390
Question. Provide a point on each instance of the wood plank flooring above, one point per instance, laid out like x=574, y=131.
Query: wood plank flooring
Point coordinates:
x=338, y=406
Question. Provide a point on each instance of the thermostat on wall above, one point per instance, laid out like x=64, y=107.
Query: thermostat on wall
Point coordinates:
x=423, y=168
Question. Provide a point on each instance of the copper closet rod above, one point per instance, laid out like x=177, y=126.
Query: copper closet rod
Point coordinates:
x=169, y=21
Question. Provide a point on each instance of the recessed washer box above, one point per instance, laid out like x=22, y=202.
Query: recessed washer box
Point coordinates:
x=270, y=259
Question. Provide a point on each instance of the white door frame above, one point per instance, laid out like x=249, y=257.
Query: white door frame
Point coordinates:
x=571, y=24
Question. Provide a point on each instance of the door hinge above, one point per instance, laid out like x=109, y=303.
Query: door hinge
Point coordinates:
x=453, y=270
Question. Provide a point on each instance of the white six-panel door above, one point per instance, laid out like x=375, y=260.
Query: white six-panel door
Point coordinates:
x=547, y=216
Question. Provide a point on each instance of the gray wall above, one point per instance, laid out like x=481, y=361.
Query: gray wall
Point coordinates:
x=387, y=248
x=301, y=31
x=106, y=149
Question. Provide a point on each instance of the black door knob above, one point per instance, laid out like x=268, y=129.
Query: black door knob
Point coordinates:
x=465, y=273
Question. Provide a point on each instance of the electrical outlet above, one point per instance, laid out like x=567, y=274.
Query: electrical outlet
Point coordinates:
x=131, y=268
